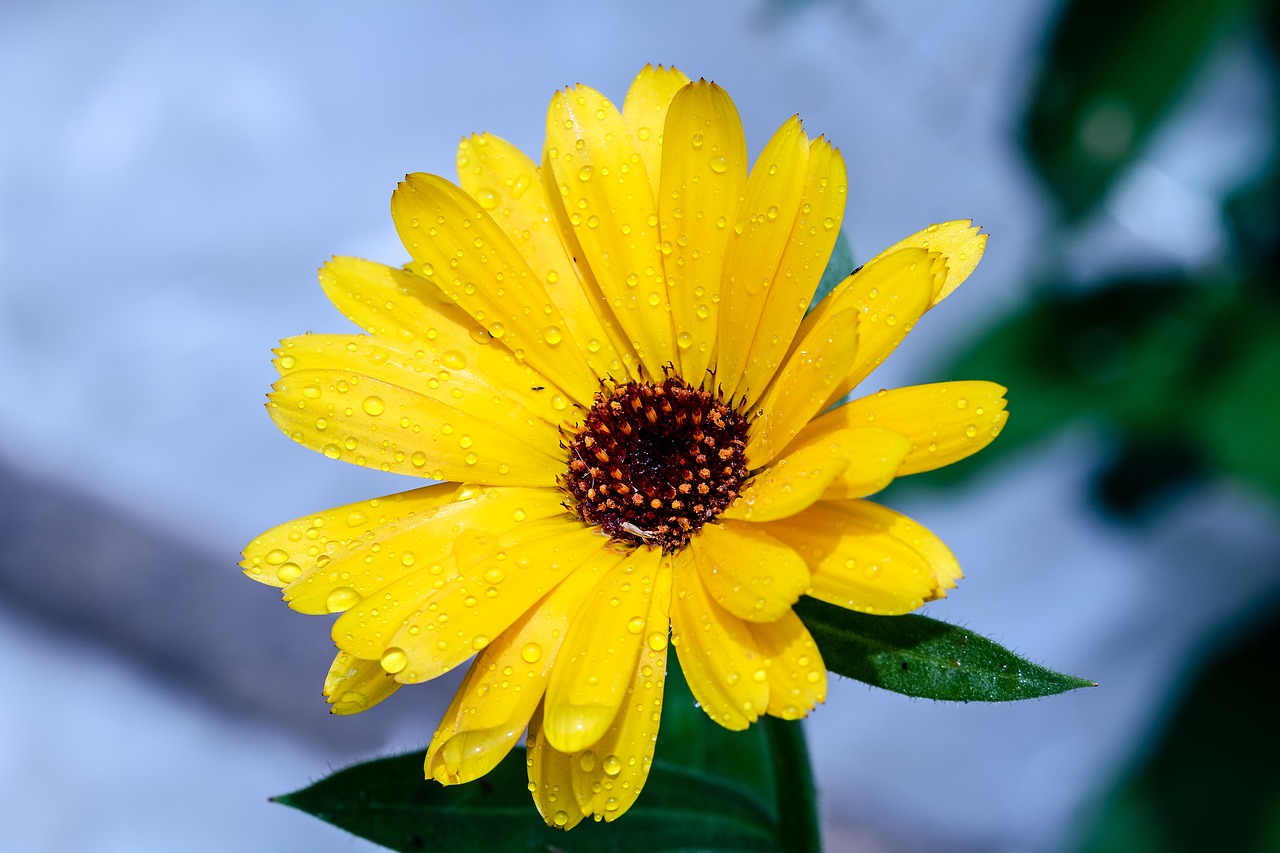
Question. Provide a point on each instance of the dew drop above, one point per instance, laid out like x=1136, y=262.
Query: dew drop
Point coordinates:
x=453, y=359
x=394, y=660
x=332, y=451
x=636, y=625
x=532, y=652
x=288, y=573
x=719, y=165
x=612, y=766
x=341, y=599
x=552, y=335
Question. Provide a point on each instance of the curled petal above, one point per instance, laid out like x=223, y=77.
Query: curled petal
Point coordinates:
x=551, y=779
x=589, y=682
x=355, y=685
x=960, y=242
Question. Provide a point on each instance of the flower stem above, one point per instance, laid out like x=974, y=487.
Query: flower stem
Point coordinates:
x=797, y=799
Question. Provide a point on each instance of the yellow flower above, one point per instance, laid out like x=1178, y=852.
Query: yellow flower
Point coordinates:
x=607, y=359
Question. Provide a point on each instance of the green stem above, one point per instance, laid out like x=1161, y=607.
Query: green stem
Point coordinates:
x=797, y=800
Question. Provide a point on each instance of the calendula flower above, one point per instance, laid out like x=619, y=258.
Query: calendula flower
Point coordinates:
x=608, y=360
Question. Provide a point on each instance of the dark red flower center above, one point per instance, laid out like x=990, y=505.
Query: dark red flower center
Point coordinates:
x=653, y=462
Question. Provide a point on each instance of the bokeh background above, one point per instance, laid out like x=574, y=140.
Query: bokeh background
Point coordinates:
x=171, y=175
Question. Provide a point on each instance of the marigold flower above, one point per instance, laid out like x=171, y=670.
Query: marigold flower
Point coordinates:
x=608, y=361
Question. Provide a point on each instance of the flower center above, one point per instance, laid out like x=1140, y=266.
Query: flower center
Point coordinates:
x=653, y=462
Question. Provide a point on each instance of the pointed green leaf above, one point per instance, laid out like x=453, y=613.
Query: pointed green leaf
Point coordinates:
x=923, y=657
x=388, y=802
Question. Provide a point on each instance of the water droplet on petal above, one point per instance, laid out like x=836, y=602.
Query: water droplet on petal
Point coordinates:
x=394, y=660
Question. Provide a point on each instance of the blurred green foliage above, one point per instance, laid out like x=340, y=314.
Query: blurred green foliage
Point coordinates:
x=1181, y=372
x=1178, y=370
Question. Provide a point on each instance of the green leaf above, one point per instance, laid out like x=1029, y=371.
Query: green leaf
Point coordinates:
x=388, y=802
x=923, y=657
x=1113, y=70
x=838, y=268
x=709, y=789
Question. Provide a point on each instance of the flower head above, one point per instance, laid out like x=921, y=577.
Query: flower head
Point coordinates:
x=610, y=362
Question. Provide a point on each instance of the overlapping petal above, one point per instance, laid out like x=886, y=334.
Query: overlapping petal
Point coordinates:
x=718, y=655
x=458, y=247
x=426, y=623
x=748, y=572
x=507, y=681
x=803, y=261
x=645, y=112
x=960, y=242
x=942, y=423
x=610, y=204
x=355, y=685
x=600, y=652
x=793, y=666
x=867, y=558
x=704, y=172
x=506, y=183
x=761, y=232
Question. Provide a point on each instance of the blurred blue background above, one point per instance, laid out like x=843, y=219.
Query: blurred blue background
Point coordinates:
x=171, y=175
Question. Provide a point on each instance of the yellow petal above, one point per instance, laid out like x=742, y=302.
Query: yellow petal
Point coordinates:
x=803, y=262
x=506, y=682
x=645, y=112
x=377, y=542
x=489, y=390
x=943, y=423
x=356, y=418
x=355, y=685
x=506, y=183
x=610, y=205
x=797, y=676
x=812, y=463
x=718, y=655
x=589, y=682
x=959, y=242
x=284, y=553
x=608, y=778
x=457, y=246
x=943, y=564
x=748, y=572
x=425, y=624
x=600, y=304
x=704, y=171
x=889, y=295
x=761, y=232
x=551, y=779
x=411, y=313
x=818, y=363
x=856, y=562
x=827, y=460
x=396, y=304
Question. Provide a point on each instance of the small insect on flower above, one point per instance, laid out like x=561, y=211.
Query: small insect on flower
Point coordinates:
x=606, y=357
